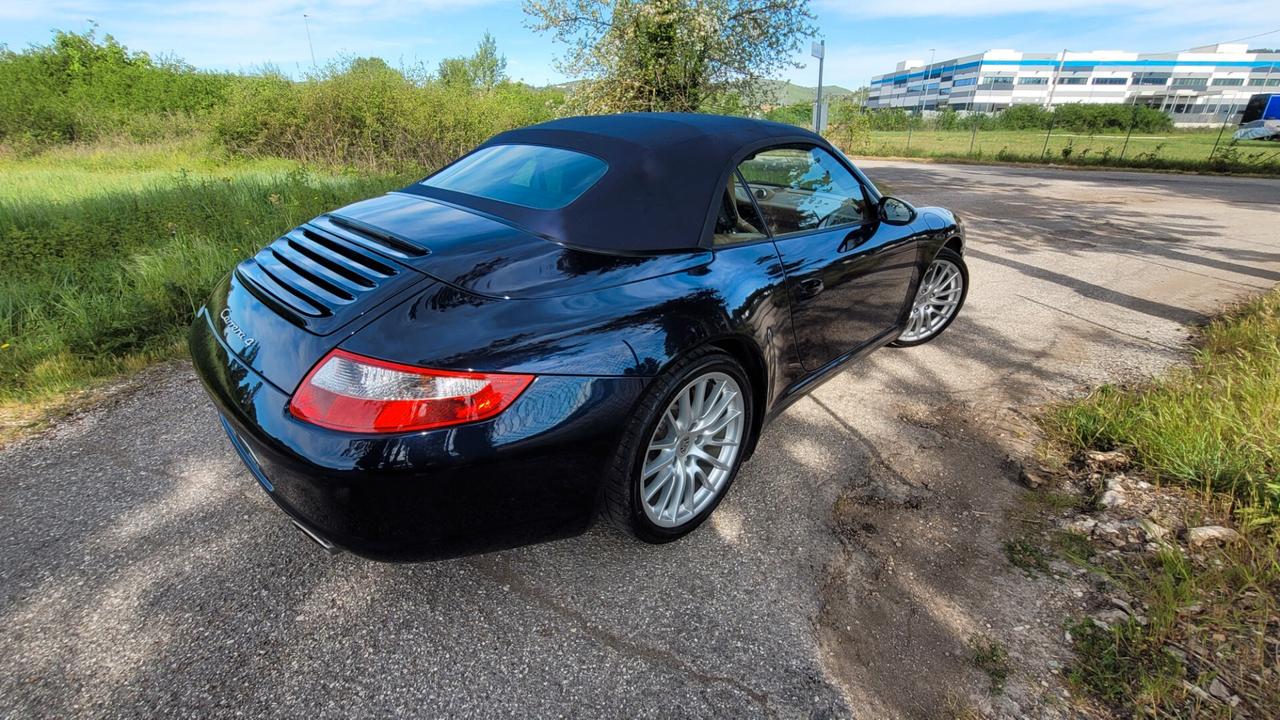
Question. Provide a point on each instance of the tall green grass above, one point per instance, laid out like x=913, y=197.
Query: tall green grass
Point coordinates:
x=1213, y=426
x=107, y=281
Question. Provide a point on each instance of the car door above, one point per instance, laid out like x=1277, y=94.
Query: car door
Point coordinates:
x=848, y=274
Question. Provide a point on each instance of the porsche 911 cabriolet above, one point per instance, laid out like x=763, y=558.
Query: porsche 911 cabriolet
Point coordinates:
x=594, y=316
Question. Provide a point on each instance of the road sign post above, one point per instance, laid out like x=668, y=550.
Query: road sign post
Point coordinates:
x=819, y=115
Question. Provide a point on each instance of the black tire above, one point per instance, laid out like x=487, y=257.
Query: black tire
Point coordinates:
x=621, y=501
x=958, y=260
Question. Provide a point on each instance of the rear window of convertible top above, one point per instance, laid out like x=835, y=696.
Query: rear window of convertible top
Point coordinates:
x=533, y=176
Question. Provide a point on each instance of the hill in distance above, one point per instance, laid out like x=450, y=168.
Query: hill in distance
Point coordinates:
x=789, y=93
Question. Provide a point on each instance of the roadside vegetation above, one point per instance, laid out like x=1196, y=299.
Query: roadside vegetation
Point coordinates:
x=129, y=186
x=104, y=276
x=1199, y=632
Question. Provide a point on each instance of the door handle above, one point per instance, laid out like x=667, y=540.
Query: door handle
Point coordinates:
x=855, y=238
x=809, y=287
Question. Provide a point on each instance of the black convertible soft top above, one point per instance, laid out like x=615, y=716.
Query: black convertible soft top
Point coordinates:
x=666, y=172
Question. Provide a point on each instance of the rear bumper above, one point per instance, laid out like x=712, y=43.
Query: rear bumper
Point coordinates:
x=531, y=474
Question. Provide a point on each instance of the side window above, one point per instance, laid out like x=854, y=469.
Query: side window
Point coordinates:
x=737, y=220
x=801, y=189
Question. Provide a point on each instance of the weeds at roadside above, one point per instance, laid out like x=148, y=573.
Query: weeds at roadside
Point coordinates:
x=1026, y=555
x=1201, y=634
x=991, y=657
x=1123, y=664
x=1072, y=547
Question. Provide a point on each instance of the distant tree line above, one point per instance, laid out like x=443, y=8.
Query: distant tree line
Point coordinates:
x=1073, y=117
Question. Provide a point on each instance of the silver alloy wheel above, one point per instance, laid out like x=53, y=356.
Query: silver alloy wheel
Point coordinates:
x=936, y=300
x=693, y=449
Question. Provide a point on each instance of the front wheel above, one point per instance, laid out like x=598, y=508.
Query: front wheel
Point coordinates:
x=682, y=450
x=938, y=300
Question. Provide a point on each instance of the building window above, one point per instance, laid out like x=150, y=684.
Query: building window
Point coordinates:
x=1228, y=82
x=965, y=81
x=1264, y=82
x=1152, y=78
x=1072, y=80
x=1190, y=82
x=997, y=80
x=1111, y=81
x=1033, y=81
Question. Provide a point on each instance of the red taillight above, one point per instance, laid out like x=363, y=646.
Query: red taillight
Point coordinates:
x=354, y=393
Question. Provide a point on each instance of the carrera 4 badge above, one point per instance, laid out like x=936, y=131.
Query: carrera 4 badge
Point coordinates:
x=233, y=327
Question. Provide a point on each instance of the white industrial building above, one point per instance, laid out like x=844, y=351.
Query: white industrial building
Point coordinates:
x=1201, y=86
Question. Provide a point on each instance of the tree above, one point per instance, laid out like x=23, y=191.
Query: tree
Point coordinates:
x=676, y=55
x=484, y=70
x=488, y=68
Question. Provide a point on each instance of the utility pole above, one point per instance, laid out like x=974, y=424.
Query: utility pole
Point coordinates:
x=924, y=90
x=1133, y=119
x=307, y=25
x=928, y=71
x=1053, y=81
x=1049, y=103
x=819, y=51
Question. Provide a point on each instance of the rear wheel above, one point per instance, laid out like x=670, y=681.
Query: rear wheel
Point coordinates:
x=938, y=300
x=682, y=450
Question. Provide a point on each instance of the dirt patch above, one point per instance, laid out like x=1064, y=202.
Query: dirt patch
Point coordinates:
x=922, y=609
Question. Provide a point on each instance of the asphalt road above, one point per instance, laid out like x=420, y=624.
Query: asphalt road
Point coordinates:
x=143, y=573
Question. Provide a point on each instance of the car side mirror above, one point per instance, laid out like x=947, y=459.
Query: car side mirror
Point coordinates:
x=896, y=212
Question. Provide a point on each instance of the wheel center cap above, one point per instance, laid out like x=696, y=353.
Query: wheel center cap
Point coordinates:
x=684, y=445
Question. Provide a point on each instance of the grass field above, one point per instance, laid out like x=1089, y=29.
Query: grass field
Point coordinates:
x=77, y=172
x=108, y=251
x=1180, y=149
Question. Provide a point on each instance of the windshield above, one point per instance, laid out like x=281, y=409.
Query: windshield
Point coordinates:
x=533, y=176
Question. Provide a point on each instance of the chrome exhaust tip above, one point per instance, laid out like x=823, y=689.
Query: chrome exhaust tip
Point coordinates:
x=327, y=546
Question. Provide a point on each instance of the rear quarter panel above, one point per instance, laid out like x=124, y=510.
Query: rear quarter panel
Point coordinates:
x=634, y=329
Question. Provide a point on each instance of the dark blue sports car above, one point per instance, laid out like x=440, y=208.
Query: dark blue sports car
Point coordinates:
x=591, y=315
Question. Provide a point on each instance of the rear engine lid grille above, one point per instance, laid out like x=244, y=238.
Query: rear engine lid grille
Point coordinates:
x=323, y=273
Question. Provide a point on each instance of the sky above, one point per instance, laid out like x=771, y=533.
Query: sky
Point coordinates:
x=863, y=38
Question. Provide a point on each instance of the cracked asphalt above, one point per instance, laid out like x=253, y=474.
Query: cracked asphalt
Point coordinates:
x=143, y=573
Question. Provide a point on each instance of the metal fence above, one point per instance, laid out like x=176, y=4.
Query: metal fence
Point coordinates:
x=1203, y=147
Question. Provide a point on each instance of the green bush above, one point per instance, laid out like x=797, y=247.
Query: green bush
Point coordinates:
x=80, y=87
x=800, y=114
x=365, y=113
x=1023, y=117
x=358, y=112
